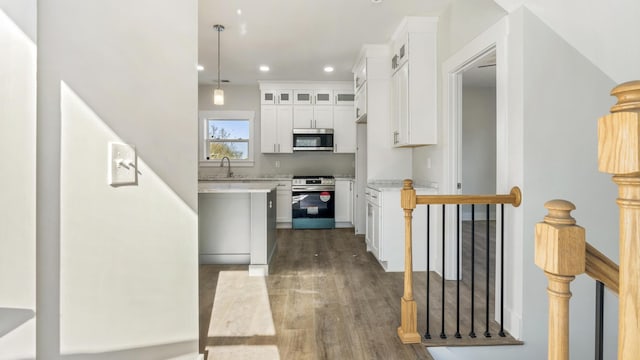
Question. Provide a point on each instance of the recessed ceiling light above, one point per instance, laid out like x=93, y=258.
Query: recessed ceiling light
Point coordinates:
x=328, y=69
x=200, y=67
x=376, y=1
x=239, y=11
x=264, y=68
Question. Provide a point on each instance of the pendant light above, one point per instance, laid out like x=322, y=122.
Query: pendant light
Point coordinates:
x=218, y=94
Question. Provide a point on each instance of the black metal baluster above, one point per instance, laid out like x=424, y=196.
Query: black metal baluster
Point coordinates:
x=599, y=320
x=427, y=335
x=486, y=331
x=442, y=333
x=472, y=333
x=501, y=333
x=458, y=272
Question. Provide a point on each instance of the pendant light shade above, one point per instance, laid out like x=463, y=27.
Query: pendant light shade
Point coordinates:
x=218, y=97
x=218, y=94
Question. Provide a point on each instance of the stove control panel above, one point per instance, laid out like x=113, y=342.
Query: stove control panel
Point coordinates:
x=314, y=181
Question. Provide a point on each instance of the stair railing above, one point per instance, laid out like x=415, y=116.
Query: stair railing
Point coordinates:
x=561, y=249
x=408, y=331
x=562, y=252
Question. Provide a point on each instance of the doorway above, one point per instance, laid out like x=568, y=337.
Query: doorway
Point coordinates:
x=477, y=130
x=492, y=43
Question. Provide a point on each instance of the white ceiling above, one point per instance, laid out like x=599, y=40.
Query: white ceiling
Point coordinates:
x=296, y=38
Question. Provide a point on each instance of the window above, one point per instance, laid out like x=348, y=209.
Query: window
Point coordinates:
x=227, y=134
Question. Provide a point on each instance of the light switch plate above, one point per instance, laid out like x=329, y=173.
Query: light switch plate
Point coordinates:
x=123, y=164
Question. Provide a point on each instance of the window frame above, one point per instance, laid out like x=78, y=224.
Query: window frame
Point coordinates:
x=203, y=133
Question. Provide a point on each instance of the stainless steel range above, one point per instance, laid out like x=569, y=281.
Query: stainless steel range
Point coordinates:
x=313, y=205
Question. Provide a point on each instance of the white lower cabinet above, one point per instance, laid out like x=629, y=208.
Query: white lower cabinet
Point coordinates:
x=283, y=199
x=344, y=203
x=385, y=229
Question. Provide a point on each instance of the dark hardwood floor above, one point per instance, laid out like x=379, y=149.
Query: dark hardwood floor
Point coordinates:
x=330, y=299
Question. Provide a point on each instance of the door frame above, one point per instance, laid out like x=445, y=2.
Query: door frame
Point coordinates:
x=494, y=38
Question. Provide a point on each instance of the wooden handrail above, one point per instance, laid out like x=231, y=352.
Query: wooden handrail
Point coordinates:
x=514, y=198
x=407, y=331
x=601, y=268
x=561, y=249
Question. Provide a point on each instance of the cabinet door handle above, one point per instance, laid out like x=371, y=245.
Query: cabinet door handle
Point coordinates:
x=311, y=123
x=274, y=147
x=278, y=147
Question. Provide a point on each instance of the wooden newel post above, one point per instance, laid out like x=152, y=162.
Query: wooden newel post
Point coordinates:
x=408, y=330
x=619, y=155
x=560, y=251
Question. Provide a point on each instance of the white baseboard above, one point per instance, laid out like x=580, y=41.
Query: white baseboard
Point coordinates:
x=225, y=259
x=512, y=323
x=343, y=224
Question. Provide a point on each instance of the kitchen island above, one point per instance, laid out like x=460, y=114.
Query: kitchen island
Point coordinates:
x=237, y=224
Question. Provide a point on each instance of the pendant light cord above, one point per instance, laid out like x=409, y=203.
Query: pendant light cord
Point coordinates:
x=218, y=28
x=219, y=58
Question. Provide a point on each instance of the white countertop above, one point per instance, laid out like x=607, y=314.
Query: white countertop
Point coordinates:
x=238, y=178
x=215, y=187
x=396, y=185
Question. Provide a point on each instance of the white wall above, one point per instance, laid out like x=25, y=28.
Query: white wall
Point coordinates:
x=119, y=264
x=17, y=183
x=247, y=97
x=460, y=23
x=557, y=95
x=605, y=32
x=478, y=140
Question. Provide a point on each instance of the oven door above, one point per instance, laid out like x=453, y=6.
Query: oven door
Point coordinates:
x=313, y=207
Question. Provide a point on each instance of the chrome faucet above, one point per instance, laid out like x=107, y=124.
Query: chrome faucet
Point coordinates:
x=229, y=173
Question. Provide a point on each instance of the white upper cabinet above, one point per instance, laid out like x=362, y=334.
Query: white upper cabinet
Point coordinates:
x=414, y=83
x=302, y=97
x=268, y=97
x=344, y=130
x=313, y=117
x=360, y=87
x=323, y=97
x=285, y=97
x=276, y=134
x=276, y=97
x=306, y=105
x=344, y=97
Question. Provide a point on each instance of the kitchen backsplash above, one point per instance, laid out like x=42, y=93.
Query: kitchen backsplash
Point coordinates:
x=300, y=163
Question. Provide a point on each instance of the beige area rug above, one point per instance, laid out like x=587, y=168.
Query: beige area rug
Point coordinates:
x=243, y=352
x=241, y=307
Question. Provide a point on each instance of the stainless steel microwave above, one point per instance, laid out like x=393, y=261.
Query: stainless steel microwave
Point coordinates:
x=312, y=139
